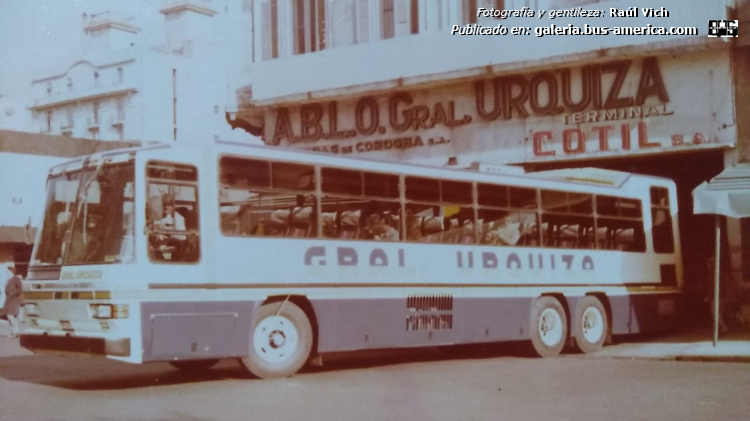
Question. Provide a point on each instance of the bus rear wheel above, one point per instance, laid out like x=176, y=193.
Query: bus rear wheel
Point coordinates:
x=549, y=327
x=280, y=341
x=194, y=365
x=590, y=325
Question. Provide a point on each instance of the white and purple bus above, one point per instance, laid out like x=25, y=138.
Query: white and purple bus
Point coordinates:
x=277, y=257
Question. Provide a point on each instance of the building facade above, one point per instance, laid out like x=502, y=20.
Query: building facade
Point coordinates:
x=13, y=114
x=387, y=79
x=159, y=76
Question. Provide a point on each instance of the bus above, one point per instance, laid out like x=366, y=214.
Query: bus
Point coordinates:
x=276, y=257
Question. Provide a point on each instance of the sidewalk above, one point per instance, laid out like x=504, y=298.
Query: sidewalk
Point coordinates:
x=690, y=345
x=10, y=347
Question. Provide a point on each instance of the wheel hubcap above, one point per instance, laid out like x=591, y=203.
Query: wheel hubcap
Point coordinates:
x=275, y=339
x=550, y=327
x=592, y=324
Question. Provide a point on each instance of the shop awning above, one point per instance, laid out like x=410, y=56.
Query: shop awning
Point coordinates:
x=726, y=194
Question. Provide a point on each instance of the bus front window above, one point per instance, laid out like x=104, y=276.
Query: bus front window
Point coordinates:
x=88, y=217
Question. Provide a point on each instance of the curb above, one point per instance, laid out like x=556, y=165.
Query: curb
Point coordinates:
x=714, y=358
x=682, y=358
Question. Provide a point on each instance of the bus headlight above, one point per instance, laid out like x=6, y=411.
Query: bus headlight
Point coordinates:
x=109, y=311
x=31, y=309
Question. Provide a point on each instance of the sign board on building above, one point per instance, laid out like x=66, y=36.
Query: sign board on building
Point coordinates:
x=620, y=107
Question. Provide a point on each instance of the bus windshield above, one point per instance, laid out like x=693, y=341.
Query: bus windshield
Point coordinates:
x=89, y=217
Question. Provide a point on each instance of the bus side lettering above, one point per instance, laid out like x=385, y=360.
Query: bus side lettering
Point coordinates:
x=568, y=259
x=490, y=260
x=513, y=258
x=314, y=252
x=348, y=256
x=378, y=258
x=588, y=263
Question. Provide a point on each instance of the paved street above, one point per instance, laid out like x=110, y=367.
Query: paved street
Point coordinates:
x=461, y=384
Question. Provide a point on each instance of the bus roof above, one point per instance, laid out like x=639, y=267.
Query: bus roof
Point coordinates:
x=582, y=176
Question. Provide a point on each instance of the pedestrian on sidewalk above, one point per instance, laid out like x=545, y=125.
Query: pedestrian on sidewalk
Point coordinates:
x=5, y=274
x=12, y=307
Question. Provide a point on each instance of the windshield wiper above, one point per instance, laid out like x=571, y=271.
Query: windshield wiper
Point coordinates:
x=81, y=200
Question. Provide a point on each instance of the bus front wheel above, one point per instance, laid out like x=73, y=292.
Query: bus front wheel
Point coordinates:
x=549, y=327
x=590, y=325
x=280, y=341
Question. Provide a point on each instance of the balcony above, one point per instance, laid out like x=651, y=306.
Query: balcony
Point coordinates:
x=203, y=7
x=110, y=19
x=96, y=93
x=92, y=125
x=117, y=121
x=436, y=57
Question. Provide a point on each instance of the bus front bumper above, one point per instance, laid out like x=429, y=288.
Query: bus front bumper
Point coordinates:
x=119, y=347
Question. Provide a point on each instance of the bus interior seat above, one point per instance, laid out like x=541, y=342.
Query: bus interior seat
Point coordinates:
x=300, y=223
x=432, y=229
x=330, y=221
x=350, y=224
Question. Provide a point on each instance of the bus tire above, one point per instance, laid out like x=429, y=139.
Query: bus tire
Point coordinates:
x=193, y=365
x=590, y=325
x=281, y=339
x=549, y=327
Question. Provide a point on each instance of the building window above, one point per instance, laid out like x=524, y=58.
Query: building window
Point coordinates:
x=398, y=18
x=414, y=17
x=119, y=130
x=96, y=113
x=119, y=74
x=470, y=11
x=388, y=18
x=270, y=21
x=352, y=22
x=499, y=5
x=69, y=116
x=120, y=109
x=309, y=26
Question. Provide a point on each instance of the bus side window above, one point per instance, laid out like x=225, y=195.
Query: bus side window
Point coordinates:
x=661, y=219
x=567, y=219
x=172, y=212
x=457, y=202
x=266, y=199
x=619, y=224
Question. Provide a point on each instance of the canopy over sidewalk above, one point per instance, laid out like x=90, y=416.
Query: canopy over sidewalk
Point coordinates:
x=727, y=194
